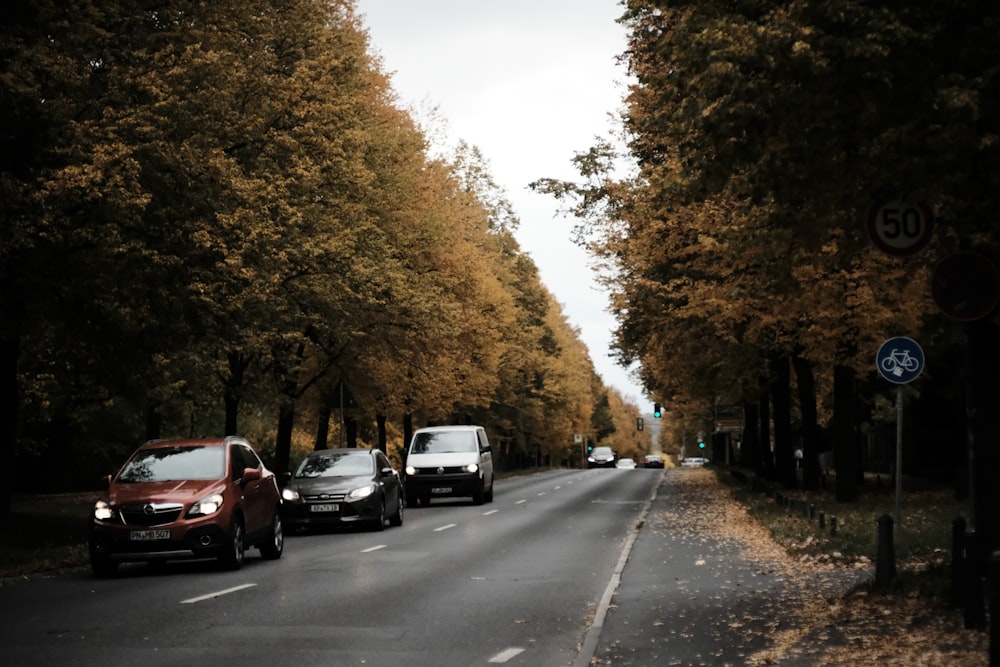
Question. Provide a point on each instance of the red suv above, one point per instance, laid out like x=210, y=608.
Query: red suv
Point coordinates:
x=177, y=499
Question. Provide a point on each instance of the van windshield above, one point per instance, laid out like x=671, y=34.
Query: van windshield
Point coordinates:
x=440, y=442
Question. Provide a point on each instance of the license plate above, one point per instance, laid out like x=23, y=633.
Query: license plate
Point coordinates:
x=149, y=535
x=328, y=507
x=441, y=489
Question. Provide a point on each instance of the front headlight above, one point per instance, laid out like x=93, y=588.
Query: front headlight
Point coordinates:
x=102, y=511
x=361, y=492
x=472, y=467
x=290, y=494
x=410, y=470
x=206, y=506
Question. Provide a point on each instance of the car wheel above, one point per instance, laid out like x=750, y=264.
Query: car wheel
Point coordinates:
x=232, y=559
x=272, y=547
x=479, y=495
x=489, y=494
x=396, y=518
x=379, y=522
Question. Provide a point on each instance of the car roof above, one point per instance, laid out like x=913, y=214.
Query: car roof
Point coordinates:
x=450, y=427
x=344, y=450
x=192, y=442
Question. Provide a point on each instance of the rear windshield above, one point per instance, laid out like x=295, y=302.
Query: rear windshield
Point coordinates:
x=440, y=442
x=336, y=464
x=175, y=463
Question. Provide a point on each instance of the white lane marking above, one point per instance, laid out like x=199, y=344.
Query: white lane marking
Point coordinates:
x=375, y=548
x=209, y=596
x=505, y=655
x=520, y=502
x=558, y=487
x=490, y=512
x=446, y=527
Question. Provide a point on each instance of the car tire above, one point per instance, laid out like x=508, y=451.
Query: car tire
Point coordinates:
x=479, y=495
x=379, y=523
x=489, y=494
x=232, y=558
x=396, y=518
x=273, y=546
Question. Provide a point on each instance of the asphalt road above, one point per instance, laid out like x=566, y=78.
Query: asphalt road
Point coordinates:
x=565, y=568
x=518, y=581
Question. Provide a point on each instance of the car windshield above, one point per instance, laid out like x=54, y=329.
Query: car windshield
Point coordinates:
x=336, y=464
x=175, y=463
x=440, y=442
x=602, y=451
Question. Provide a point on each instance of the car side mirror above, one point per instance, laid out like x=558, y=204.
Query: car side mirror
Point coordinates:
x=387, y=472
x=251, y=475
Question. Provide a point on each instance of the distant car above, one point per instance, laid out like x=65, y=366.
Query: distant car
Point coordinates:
x=343, y=486
x=627, y=464
x=179, y=499
x=694, y=462
x=653, y=461
x=601, y=457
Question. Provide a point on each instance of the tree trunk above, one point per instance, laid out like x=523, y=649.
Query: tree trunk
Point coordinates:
x=781, y=395
x=283, y=438
x=10, y=354
x=407, y=434
x=323, y=427
x=382, y=439
x=766, y=456
x=845, y=442
x=233, y=393
x=810, y=429
x=750, y=447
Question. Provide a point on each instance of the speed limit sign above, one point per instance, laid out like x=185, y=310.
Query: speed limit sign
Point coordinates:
x=901, y=227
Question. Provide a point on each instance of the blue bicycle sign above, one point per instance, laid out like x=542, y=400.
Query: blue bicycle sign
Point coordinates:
x=900, y=360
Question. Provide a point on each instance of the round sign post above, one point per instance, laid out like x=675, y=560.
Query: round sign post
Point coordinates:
x=901, y=227
x=899, y=360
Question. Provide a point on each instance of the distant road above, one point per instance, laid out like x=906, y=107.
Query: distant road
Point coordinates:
x=516, y=582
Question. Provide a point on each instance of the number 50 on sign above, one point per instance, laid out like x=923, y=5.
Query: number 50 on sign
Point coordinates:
x=901, y=227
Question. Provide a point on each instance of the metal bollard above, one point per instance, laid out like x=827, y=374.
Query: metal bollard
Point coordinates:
x=885, y=565
x=812, y=511
x=833, y=526
x=994, y=608
x=822, y=520
x=958, y=527
x=975, y=608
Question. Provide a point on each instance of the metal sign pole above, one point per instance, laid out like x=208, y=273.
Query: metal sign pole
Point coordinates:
x=899, y=455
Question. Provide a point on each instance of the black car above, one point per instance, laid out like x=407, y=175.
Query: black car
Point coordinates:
x=601, y=457
x=343, y=486
x=653, y=461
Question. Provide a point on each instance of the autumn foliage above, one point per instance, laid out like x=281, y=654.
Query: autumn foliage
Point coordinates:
x=216, y=216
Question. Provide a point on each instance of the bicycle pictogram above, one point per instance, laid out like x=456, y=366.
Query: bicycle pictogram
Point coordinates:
x=899, y=362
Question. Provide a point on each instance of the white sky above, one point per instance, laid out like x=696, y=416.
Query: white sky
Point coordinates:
x=530, y=83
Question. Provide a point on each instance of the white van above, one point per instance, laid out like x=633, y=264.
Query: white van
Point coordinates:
x=449, y=461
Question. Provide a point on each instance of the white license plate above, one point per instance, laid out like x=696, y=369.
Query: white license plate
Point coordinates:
x=441, y=489
x=328, y=507
x=149, y=535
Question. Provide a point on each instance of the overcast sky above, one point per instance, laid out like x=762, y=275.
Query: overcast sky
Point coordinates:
x=530, y=83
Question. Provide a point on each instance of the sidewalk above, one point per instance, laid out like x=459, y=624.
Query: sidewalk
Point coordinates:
x=706, y=585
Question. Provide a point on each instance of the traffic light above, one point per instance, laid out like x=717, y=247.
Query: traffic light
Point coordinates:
x=638, y=423
x=701, y=443
x=657, y=410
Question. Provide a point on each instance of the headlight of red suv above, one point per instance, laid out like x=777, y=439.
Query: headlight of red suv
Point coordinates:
x=206, y=506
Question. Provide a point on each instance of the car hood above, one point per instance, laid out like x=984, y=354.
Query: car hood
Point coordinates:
x=173, y=491
x=443, y=460
x=312, y=486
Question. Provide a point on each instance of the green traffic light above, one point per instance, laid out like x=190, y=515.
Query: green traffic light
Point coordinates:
x=657, y=412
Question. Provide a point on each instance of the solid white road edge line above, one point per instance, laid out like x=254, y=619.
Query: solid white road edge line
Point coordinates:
x=586, y=655
x=216, y=594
